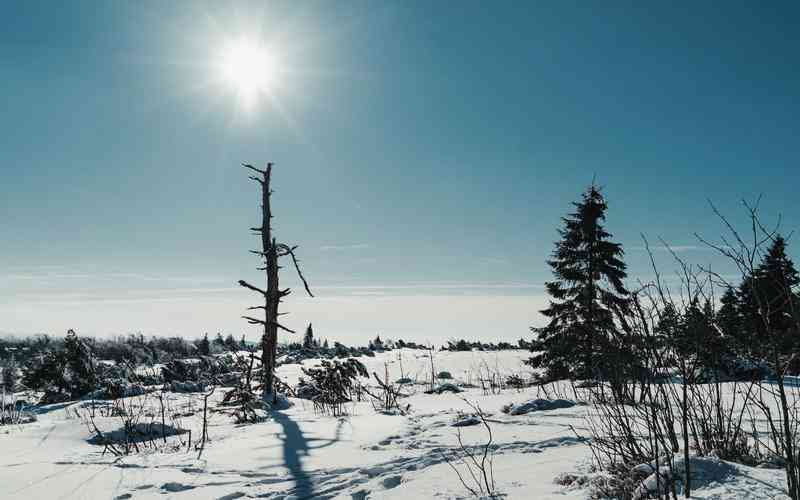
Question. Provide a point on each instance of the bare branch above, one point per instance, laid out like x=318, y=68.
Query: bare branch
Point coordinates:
x=251, y=287
x=290, y=251
x=256, y=321
x=262, y=172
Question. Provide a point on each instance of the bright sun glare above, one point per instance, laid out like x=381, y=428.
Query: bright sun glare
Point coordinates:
x=249, y=68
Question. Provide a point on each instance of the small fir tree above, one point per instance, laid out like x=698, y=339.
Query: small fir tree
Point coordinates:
x=230, y=343
x=10, y=376
x=308, y=339
x=204, y=346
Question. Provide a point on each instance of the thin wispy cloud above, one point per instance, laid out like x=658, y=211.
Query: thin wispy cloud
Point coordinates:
x=55, y=274
x=354, y=246
x=434, y=285
x=87, y=295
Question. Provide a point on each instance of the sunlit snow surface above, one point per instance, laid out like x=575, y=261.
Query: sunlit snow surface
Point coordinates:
x=300, y=454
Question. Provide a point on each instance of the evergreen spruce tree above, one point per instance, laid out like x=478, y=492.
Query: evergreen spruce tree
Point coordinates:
x=230, y=343
x=204, y=346
x=308, y=339
x=728, y=316
x=769, y=302
x=586, y=295
x=219, y=342
x=698, y=345
x=778, y=280
x=667, y=328
x=10, y=376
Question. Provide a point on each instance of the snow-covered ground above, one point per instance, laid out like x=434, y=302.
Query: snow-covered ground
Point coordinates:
x=300, y=454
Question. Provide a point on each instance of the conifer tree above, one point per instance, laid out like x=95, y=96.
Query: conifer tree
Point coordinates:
x=204, y=346
x=586, y=295
x=778, y=282
x=728, y=316
x=667, y=328
x=698, y=345
x=230, y=342
x=10, y=376
x=308, y=339
x=769, y=302
x=219, y=342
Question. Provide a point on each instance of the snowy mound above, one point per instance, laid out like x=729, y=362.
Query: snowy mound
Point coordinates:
x=137, y=433
x=445, y=388
x=705, y=471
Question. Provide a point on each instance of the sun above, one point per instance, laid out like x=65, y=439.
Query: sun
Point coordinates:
x=249, y=68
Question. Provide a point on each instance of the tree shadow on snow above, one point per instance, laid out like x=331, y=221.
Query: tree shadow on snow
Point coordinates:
x=296, y=446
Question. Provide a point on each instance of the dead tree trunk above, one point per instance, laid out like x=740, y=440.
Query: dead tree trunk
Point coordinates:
x=269, y=253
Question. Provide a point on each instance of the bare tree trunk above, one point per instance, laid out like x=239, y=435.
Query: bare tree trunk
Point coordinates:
x=269, y=339
x=272, y=295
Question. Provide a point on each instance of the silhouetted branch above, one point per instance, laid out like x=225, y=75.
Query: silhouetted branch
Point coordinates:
x=256, y=321
x=251, y=287
x=286, y=250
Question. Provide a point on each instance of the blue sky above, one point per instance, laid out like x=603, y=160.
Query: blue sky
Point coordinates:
x=424, y=153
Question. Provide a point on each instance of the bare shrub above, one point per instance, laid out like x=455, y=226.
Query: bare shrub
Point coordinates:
x=140, y=426
x=12, y=410
x=656, y=417
x=387, y=398
x=474, y=465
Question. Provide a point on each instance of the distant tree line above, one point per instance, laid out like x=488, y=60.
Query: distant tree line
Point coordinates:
x=465, y=345
x=134, y=348
x=72, y=367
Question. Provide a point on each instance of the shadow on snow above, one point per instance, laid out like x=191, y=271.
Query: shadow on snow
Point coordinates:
x=296, y=446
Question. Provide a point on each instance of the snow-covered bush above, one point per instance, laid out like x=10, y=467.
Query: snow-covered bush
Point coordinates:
x=306, y=390
x=336, y=383
x=117, y=388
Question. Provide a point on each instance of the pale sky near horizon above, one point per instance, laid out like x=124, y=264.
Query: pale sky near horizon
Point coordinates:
x=424, y=154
